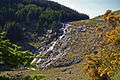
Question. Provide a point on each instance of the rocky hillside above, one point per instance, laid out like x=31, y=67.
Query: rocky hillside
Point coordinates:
x=86, y=37
x=82, y=37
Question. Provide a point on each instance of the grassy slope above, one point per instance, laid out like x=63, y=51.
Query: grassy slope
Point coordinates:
x=95, y=28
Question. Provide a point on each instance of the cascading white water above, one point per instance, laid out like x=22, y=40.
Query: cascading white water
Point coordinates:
x=39, y=60
x=51, y=47
x=65, y=27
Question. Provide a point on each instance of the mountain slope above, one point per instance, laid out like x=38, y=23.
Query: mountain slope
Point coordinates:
x=32, y=20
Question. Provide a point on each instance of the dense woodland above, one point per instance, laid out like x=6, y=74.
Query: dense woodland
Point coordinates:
x=24, y=17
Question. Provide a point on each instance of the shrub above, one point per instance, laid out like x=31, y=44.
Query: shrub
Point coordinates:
x=11, y=54
x=113, y=36
x=35, y=77
x=4, y=78
x=103, y=65
x=111, y=18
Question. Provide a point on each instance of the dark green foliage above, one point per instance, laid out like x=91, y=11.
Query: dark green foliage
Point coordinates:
x=4, y=78
x=11, y=54
x=29, y=13
x=14, y=31
x=33, y=17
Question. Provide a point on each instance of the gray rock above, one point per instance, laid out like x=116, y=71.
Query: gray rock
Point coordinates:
x=81, y=28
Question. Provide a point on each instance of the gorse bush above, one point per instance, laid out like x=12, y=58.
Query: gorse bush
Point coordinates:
x=111, y=18
x=103, y=65
x=11, y=54
x=113, y=36
x=90, y=67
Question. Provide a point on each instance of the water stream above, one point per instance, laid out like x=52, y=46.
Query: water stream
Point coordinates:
x=48, y=61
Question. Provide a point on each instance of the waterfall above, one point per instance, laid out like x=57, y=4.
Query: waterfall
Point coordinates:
x=48, y=62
